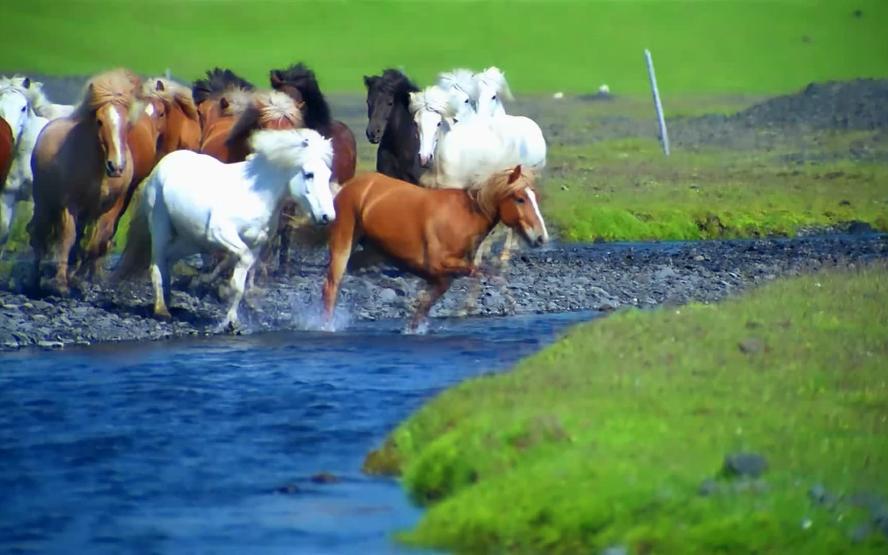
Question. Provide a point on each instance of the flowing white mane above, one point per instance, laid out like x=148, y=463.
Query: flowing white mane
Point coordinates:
x=462, y=79
x=34, y=92
x=433, y=99
x=494, y=77
x=290, y=148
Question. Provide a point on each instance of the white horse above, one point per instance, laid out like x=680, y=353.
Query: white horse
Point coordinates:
x=464, y=153
x=192, y=203
x=42, y=105
x=463, y=89
x=17, y=110
x=491, y=87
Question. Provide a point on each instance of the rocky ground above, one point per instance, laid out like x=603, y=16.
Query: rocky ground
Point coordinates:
x=559, y=278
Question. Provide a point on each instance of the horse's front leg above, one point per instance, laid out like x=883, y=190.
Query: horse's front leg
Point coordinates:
x=67, y=238
x=427, y=299
x=104, y=231
x=238, y=281
x=7, y=212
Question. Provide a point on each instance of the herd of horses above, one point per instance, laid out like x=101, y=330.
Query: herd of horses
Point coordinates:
x=210, y=170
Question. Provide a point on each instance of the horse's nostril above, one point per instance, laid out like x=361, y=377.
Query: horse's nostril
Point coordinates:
x=325, y=218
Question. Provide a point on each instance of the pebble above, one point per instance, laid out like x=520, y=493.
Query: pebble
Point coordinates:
x=745, y=464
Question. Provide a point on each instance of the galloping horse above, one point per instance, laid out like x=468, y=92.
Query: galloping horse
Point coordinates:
x=461, y=85
x=219, y=98
x=433, y=233
x=42, y=106
x=173, y=102
x=18, y=111
x=390, y=125
x=192, y=203
x=300, y=83
x=265, y=110
x=82, y=171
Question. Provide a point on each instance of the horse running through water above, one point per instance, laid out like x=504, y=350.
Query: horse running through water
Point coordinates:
x=391, y=126
x=433, y=233
x=300, y=83
x=25, y=125
x=82, y=173
x=192, y=203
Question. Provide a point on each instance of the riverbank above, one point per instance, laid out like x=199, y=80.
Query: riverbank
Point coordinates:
x=754, y=425
x=562, y=278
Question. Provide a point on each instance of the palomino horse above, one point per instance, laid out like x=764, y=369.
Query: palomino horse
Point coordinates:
x=391, y=126
x=265, y=110
x=219, y=98
x=82, y=172
x=16, y=109
x=300, y=83
x=192, y=203
x=172, y=102
x=42, y=105
x=433, y=233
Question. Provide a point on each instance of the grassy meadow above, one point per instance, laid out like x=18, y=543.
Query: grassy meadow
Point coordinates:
x=616, y=434
x=561, y=45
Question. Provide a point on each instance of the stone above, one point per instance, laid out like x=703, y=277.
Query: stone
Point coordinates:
x=750, y=465
x=751, y=346
x=387, y=296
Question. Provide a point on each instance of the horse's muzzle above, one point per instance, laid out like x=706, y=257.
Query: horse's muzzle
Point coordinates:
x=112, y=169
x=374, y=136
x=425, y=161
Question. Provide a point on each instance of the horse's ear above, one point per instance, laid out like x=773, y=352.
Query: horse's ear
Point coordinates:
x=159, y=86
x=275, y=78
x=27, y=83
x=223, y=102
x=515, y=174
x=305, y=142
x=368, y=81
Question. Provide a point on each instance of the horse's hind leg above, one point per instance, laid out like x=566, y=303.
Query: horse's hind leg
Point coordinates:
x=160, y=266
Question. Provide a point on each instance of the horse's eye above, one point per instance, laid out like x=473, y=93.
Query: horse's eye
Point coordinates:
x=99, y=122
x=309, y=175
x=390, y=102
x=519, y=200
x=439, y=124
x=493, y=97
x=467, y=101
x=24, y=108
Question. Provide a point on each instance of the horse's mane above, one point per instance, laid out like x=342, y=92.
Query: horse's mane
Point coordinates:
x=118, y=87
x=495, y=77
x=33, y=92
x=171, y=93
x=396, y=83
x=434, y=99
x=218, y=81
x=290, y=148
x=497, y=187
x=462, y=79
x=317, y=111
x=264, y=107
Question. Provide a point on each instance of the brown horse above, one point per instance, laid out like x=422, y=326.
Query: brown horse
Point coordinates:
x=172, y=102
x=82, y=172
x=301, y=84
x=433, y=233
x=264, y=110
x=7, y=142
x=219, y=99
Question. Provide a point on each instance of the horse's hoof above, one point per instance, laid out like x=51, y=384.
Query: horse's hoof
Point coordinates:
x=163, y=314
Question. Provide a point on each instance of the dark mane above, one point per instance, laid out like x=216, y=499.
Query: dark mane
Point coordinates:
x=218, y=80
x=396, y=83
x=317, y=111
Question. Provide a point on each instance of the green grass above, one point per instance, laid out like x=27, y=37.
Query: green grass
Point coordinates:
x=699, y=46
x=605, y=437
x=626, y=189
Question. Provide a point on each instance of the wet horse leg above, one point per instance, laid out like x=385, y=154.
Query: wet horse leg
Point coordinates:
x=67, y=238
x=104, y=231
x=342, y=237
x=437, y=287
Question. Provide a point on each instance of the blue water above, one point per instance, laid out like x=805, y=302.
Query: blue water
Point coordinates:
x=210, y=445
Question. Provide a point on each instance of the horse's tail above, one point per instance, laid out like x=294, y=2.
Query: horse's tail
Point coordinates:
x=137, y=252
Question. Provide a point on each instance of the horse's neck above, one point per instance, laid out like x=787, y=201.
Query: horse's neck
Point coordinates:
x=399, y=129
x=269, y=182
x=477, y=225
x=30, y=132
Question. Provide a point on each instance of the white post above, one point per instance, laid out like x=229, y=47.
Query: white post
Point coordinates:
x=658, y=106
x=168, y=74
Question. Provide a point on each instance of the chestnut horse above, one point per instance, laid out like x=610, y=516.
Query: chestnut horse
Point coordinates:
x=433, y=233
x=391, y=126
x=219, y=98
x=82, y=172
x=172, y=102
x=300, y=83
x=7, y=141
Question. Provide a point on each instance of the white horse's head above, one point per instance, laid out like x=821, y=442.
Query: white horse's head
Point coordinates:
x=431, y=108
x=307, y=156
x=463, y=90
x=15, y=106
x=492, y=89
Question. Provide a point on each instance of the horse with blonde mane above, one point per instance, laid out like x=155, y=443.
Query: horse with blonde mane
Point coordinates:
x=192, y=203
x=171, y=103
x=82, y=173
x=220, y=97
x=432, y=233
x=25, y=124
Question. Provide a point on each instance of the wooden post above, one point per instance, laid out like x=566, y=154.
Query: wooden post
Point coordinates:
x=658, y=106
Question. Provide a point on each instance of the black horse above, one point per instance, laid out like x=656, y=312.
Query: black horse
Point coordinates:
x=391, y=126
x=300, y=83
